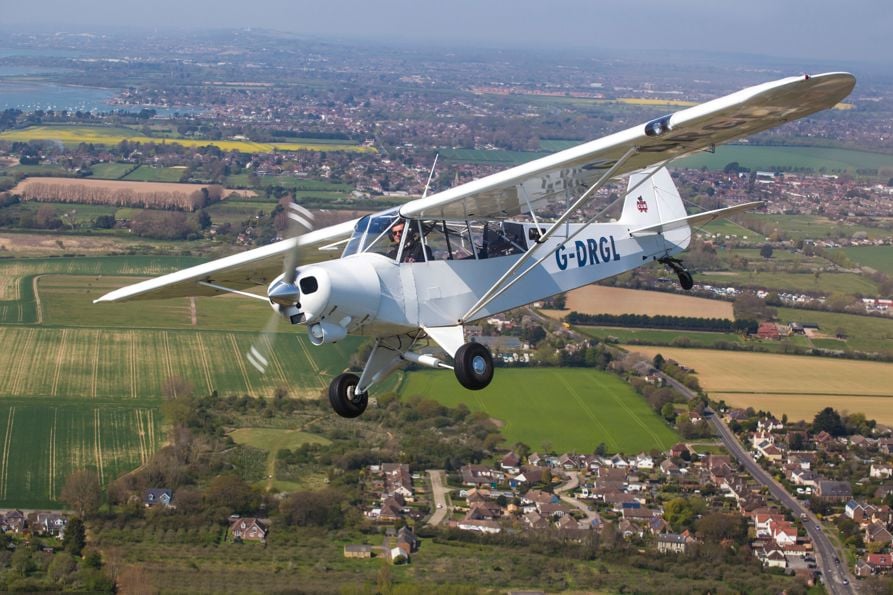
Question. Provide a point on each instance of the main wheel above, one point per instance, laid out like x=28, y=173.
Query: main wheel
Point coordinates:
x=343, y=396
x=685, y=280
x=473, y=366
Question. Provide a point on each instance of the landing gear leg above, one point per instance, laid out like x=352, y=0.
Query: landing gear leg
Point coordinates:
x=685, y=279
x=345, y=399
x=473, y=366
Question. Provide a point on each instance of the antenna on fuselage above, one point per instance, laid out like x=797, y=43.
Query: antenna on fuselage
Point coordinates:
x=430, y=175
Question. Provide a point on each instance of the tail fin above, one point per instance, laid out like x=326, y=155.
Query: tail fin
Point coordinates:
x=653, y=201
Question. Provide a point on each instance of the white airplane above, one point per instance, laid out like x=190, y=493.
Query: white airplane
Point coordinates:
x=427, y=268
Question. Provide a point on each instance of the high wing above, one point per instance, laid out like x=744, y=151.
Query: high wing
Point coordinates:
x=239, y=271
x=572, y=171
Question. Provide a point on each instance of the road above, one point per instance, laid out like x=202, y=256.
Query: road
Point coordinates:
x=834, y=573
x=572, y=484
x=828, y=559
x=438, y=493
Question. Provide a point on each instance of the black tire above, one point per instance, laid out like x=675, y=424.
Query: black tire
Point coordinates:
x=343, y=398
x=473, y=366
x=685, y=280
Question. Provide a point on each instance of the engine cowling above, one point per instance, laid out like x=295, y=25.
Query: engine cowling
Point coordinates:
x=338, y=297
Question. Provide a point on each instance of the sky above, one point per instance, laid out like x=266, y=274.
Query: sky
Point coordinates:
x=825, y=30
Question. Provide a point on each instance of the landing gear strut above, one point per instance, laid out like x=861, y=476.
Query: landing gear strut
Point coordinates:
x=677, y=267
x=473, y=366
x=343, y=396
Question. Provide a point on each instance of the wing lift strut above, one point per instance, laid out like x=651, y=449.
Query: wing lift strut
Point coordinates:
x=506, y=281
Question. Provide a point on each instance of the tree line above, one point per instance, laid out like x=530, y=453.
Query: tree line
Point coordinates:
x=87, y=193
x=688, y=323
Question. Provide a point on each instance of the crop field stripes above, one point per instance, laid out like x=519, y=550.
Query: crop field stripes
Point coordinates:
x=132, y=365
x=97, y=445
x=619, y=400
x=141, y=432
x=240, y=359
x=206, y=367
x=277, y=364
x=60, y=359
x=19, y=372
x=317, y=373
x=168, y=360
x=95, y=374
x=38, y=311
x=610, y=437
x=52, y=469
x=4, y=458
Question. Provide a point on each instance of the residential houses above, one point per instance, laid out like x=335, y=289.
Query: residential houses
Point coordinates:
x=46, y=523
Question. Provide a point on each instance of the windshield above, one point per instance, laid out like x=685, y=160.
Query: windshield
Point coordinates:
x=369, y=234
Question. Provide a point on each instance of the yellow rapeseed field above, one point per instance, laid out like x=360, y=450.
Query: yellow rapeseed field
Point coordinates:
x=799, y=386
x=100, y=136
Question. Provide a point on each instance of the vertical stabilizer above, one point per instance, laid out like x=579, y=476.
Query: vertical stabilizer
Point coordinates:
x=654, y=201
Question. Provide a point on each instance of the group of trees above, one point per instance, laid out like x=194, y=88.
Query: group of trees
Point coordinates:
x=829, y=420
x=690, y=323
x=95, y=193
x=169, y=225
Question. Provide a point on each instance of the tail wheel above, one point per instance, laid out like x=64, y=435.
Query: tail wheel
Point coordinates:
x=343, y=396
x=685, y=280
x=473, y=366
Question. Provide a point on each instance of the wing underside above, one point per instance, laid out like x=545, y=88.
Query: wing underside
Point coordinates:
x=239, y=271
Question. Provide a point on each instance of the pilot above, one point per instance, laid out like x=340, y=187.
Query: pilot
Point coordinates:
x=412, y=248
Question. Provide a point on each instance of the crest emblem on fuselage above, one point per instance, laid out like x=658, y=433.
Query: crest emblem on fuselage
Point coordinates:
x=642, y=205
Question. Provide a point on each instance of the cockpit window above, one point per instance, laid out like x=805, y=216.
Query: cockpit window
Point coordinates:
x=370, y=234
x=420, y=241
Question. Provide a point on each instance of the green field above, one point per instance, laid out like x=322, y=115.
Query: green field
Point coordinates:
x=771, y=158
x=134, y=364
x=77, y=214
x=82, y=384
x=146, y=173
x=660, y=337
x=825, y=283
x=44, y=439
x=273, y=440
x=568, y=409
x=111, y=171
x=864, y=333
x=805, y=227
x=727, y=227
x=880, y=258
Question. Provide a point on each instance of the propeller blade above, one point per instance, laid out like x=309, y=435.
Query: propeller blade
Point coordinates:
x=300, y=221
x=285, y=294
x=260, y=351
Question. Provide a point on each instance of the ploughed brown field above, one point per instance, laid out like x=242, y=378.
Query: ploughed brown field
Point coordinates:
x=596, y=299
x=799, y=386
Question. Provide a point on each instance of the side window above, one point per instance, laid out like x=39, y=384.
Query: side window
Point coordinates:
x=447, y=240
x=503, y=239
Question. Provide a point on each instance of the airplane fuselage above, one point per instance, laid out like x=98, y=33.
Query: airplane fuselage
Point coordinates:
x=402, y=297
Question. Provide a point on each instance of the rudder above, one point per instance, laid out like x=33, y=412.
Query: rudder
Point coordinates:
x=654, y=201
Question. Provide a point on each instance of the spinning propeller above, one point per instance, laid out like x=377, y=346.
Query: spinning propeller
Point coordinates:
x=283, y=293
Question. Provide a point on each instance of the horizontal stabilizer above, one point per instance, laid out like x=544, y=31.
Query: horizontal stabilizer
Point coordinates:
x=693, y=220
